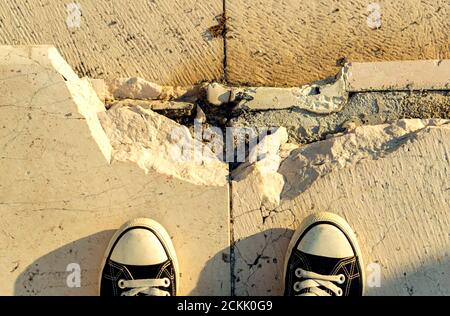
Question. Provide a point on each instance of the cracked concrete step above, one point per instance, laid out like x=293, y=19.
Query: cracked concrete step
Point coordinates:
x=390, y=182
x=66, y=161
x=68, y=182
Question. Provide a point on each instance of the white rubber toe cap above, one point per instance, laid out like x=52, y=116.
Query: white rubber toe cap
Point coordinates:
x=327, y=241
x=139, y=246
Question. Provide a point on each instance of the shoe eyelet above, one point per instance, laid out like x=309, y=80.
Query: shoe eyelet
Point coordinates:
x=121, y=283
x=339, y=293
x=298, y=273
x=297, y=286
x=166, y=282
x=341, y=279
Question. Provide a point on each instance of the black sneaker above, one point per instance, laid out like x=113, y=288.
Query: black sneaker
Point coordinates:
x=324, y=259
x=140, y=260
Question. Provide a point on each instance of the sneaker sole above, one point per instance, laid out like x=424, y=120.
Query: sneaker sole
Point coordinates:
x=338, y=222
x=160, y=233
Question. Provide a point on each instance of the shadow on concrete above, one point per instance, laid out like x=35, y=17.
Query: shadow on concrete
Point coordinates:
x=430, y=279
x=48, y=275
x=259, y=263
x=256, y=259
x=215, y=277
x=220, y=275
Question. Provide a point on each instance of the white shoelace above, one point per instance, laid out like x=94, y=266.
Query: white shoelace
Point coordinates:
x=313, y=280
x=144, y=286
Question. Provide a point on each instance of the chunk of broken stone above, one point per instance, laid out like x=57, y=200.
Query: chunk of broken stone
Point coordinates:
x=181, y=94
x=200, y=116
x=141, y=89
x=133, y=88
x=155, y=142
x=323, y=97
x=262, y=166
x=218, y=94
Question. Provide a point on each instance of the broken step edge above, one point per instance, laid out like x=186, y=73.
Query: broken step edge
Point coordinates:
x=330, y=95
x=283, y=170
x=322, y=97
x=159, y=144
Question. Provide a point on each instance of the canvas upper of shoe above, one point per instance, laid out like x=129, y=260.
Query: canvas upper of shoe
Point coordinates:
x=324, y=259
